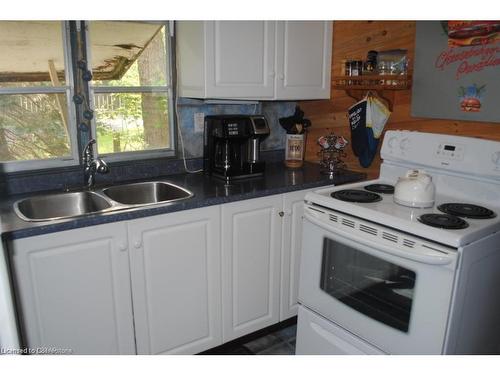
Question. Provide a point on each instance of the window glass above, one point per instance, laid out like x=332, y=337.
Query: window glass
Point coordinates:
x=34, y=118
x=131, y=121
x=32, y=54
x=130, y=85
x=128, y=53
x=33, y=127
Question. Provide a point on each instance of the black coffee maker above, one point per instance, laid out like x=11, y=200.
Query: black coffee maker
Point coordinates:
x=231, y=146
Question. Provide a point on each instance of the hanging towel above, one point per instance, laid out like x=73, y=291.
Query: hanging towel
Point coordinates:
x=378, y=115
x=367, y=119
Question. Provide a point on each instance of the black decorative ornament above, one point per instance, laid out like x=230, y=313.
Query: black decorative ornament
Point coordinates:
x=88, y=114
x=87, y=75
x=83, y=126
x=82, y=64
x=78, y=99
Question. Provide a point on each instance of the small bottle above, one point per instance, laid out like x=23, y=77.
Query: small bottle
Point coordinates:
x=294, y=150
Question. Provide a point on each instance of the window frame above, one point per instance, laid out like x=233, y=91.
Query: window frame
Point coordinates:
x=68, y=89
x=167, y=89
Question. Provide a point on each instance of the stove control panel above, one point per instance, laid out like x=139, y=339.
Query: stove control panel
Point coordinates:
x=450, y=151
x=464, y=155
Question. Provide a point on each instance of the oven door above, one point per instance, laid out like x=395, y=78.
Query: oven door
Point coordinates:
x=367, y=282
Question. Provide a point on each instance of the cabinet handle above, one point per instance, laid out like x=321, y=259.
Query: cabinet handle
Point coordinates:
x=272, y=74
x=281, y=213
x=281, y=77
x=122, y=246
x=137, y=244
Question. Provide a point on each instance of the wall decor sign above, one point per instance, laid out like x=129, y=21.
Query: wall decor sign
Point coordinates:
x=457, y=70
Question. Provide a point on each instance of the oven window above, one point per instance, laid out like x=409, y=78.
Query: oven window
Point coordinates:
x=375, y=287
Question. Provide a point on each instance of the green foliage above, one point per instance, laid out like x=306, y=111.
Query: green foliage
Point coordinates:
x=32, y=127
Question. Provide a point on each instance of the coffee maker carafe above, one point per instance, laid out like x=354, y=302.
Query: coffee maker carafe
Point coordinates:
x=231, y=146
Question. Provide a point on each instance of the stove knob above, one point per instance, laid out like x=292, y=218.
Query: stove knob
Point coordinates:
x=403, y=145
x=391, y=142
x=495, y=158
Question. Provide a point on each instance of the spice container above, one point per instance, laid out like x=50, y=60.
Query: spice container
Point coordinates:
x=356, y=68
x=294, y=150
x=295, y=142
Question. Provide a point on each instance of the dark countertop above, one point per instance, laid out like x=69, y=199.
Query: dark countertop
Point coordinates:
x=207, y=192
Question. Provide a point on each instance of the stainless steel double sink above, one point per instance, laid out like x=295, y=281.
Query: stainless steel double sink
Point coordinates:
x=114, y=198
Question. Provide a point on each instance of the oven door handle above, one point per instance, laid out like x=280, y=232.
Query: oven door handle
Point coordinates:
x=438, y=259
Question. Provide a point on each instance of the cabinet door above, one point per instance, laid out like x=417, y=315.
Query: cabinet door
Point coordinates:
x=293, y=208
x=251, y=240
x=73, y=288
x=175, y=263
x=304, y=50
x=240, y=59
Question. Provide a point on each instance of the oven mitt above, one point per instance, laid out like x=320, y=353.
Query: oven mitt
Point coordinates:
x=363, y=140
x=357, y=122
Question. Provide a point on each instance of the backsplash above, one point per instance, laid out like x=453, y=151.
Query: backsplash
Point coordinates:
x=72, y=177
x=193, y=142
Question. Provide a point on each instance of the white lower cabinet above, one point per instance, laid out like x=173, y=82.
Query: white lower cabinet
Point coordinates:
x=293, y=209
x=251, y=241
x=182, y=282
x=73, y=290
x=175, y=265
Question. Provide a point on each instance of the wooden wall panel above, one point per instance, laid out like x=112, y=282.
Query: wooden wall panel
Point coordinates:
x=353, y=39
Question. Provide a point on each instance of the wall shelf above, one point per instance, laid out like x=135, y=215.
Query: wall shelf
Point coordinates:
x=384, y=85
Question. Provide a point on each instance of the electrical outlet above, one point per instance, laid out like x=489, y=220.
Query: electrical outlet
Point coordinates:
x=199, y=120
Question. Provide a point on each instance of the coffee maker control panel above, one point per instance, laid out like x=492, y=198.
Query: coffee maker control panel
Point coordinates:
x=233, y=129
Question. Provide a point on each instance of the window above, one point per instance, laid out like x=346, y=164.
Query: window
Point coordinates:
x=131, y=87
x=36, y=122
x=130, y=92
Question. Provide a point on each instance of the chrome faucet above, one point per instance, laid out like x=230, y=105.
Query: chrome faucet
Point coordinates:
x=92, y=165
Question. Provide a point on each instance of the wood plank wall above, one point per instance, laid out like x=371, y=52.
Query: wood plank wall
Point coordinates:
x=353, y=39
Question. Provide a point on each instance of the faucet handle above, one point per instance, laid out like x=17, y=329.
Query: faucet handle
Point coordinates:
x=102, y=166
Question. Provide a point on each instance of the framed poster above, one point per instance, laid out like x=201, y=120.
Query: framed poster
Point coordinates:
x=457, y=70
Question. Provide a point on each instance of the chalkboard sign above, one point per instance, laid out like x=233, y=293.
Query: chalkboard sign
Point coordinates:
x=457, y=70
x=364, y=145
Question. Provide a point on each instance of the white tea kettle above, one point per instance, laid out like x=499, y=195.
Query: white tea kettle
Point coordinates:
x=416, y=189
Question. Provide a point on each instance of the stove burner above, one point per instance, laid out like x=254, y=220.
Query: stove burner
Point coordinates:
x=466, y=210
x=380, y=188
x=357, y=196
x=443, y=221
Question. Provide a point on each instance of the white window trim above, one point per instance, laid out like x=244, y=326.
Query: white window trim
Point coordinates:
x=68, y=89
x=145, y=154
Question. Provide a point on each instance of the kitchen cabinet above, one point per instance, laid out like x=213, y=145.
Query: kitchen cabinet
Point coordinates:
x=293, y=209
x=256, y=60
x=251, y=243
x=178, y=283
x=73, y=290
x=303, y=59
x=175, y=266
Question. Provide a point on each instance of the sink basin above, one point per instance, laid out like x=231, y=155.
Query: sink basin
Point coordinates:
x=59, y=206
x=144, y=193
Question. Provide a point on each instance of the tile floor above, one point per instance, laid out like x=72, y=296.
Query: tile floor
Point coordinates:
x=280, y=341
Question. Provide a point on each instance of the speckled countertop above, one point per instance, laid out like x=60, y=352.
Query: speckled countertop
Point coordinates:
x=207, y=192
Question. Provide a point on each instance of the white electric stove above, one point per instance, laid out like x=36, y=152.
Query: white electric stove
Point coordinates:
x=379, y=277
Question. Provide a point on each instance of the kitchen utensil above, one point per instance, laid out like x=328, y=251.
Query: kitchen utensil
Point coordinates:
x=416, y=189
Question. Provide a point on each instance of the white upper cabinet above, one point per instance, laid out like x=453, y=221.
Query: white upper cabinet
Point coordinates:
x=303, y=59
x=256, y=60
x=240, y=57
